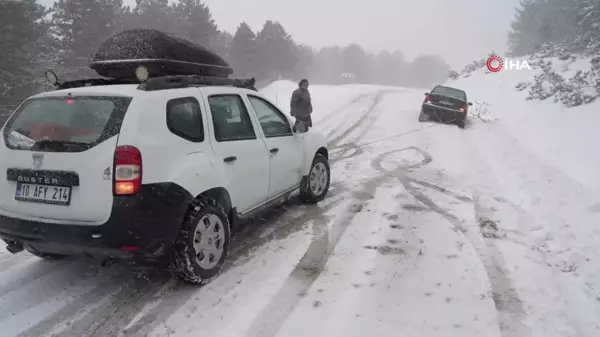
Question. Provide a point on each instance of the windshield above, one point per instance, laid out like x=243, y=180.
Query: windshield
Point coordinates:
x=450, y=92
x=69, y=123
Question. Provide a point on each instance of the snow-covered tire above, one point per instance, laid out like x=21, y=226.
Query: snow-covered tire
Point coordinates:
x=462, y=123
x=423, y=117
x=315, y=186
x=47, y=256
x=205, y=234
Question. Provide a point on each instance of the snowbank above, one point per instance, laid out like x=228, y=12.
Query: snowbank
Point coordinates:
x=562, y=137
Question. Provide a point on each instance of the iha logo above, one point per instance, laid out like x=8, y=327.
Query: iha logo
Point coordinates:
x=496, y=63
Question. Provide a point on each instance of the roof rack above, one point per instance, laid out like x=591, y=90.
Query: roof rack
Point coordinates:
x=184, y=81
x=164, y=82
x=92, y=82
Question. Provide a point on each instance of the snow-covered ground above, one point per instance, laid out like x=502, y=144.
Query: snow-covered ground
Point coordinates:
x=428, y=230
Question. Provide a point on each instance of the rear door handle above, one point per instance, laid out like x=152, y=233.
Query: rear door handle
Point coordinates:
x=275, y=150
x=230, y=159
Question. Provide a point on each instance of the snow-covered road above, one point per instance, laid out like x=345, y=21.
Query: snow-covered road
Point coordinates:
x=428, y=230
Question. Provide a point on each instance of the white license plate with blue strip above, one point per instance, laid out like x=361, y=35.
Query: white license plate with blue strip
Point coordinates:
x=46, y=194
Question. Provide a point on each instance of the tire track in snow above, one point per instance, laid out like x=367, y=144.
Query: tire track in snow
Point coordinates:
x=349, y=116
x=376, y=99
x=105, y=288
x=351, y=148
x=511, y=312
x=34, y=271
x=353, y=101
x=110, y=318
x=290, y=224
x=99, y=311
x=22, y=296
x=8, y=260
x=546, y=230
x=308, y=269
x=358, y=98
x=306, y=272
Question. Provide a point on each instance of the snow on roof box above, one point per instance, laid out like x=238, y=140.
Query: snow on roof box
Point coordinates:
x=162, y=53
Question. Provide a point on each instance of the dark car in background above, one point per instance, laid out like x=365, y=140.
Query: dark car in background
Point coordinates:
x=445, y=104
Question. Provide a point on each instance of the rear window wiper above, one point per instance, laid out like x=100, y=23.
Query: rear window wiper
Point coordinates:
x=59, y=145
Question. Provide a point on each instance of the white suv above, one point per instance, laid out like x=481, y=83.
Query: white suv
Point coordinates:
x=164, y=170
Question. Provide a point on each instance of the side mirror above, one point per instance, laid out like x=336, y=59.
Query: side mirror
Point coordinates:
x=470, y=104
x=426, y=94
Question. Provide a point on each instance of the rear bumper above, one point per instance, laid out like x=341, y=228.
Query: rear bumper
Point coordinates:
x=142, y=226
x=442, y=114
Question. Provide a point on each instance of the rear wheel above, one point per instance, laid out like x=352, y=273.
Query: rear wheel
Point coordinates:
x=423, y=116
x=461, y=123
x=315, y=186
x=203, y=243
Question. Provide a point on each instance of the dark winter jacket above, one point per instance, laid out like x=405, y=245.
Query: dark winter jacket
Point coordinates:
x=301, y=105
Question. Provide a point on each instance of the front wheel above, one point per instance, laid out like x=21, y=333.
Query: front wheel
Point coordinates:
x=200, y=251
x=315, y=186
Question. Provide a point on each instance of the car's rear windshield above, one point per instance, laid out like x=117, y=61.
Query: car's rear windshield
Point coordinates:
x=65, y=124
x=450, y=92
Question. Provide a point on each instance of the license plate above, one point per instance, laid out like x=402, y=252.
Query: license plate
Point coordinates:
x=446, y=103
x=55, y=195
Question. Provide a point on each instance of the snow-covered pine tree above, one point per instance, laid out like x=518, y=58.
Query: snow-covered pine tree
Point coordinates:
x=24, y=51
x=244, y=51
x=588, y=21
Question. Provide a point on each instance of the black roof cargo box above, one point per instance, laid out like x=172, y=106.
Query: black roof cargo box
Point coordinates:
x=162, y=53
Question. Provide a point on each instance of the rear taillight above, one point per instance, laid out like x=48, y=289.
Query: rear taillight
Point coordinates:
x=128, y=170
x=464, y=108
x=427, y=99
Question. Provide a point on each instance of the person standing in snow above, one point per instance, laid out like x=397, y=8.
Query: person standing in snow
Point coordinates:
x=301, y=107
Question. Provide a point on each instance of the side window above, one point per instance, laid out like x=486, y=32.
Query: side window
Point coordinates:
x=184, y=119
x=272, y=121
x=230, y=118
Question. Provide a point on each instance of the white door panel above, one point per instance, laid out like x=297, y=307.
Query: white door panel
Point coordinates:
x=286, y=148
x=238, y=144
x=286, y=163
x=247, y=166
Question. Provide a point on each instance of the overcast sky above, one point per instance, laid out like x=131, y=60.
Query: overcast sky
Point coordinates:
x=458, y=30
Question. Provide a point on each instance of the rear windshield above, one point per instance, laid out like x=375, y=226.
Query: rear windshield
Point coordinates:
x=65, y=124
x=450, y=92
